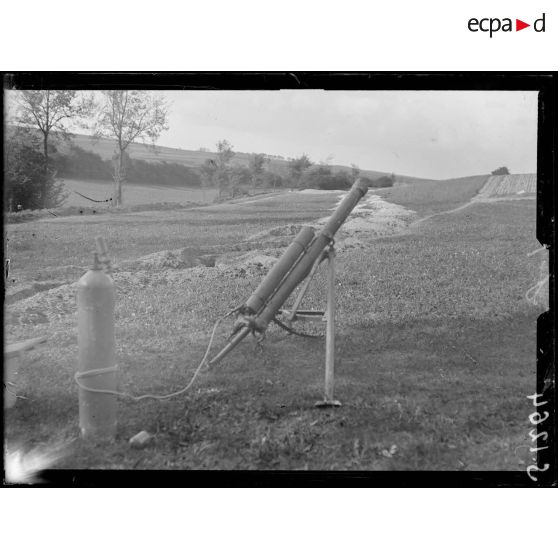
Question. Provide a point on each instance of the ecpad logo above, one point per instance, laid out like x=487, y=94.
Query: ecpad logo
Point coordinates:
x=493, y=25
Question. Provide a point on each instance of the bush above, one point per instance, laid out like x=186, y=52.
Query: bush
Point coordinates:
x=500, y=170
x=322, y=178
x=272, y=180
x=27, y=183
x=383, y=182
x=168, y=174
x=297, y=168
x=369, y=183
x=79, y=163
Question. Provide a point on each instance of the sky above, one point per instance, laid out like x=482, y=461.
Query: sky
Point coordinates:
x=427, y=134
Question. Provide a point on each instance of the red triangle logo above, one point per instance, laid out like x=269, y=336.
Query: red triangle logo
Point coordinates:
x=519, y=25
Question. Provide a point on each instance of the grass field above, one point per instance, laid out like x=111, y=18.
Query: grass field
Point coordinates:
x=134, y=194
x=435, y=346
x=44, y=250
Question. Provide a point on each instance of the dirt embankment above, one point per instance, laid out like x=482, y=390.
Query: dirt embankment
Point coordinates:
x=372, y=218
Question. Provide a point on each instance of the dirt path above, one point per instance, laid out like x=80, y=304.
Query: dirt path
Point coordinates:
x=454, y=210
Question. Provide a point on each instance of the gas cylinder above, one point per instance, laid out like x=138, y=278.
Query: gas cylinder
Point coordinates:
x=97, y=360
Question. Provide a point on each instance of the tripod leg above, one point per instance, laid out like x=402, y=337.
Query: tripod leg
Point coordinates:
x=329, y=401
x=303, y=289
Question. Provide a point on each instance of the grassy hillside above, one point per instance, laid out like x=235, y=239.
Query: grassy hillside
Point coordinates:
x=432, y=196
x=105, y=149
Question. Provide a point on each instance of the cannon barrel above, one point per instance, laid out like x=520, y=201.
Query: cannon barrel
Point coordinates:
x=301, y=269
x=279, y=271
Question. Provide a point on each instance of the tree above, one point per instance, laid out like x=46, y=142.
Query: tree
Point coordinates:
x=50, y=111
x=297, y=167
x=207, y=173
x=239, y=176
x=500, y=170
x=321, y=177
x=257, y=163
x=223, y=177
x=129, y=116
x=218, y=173
x=272, y=180
x=224, y=153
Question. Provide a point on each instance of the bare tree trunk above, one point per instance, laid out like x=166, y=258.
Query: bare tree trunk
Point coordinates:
x=119, y=192
x=118, y=179
x=45, y=180
x=45, y=130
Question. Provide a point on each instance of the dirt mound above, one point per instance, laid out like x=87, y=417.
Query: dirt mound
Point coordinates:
x=26, y=290
x=45, y=306
x=373, y=215
x=169, y=259
x=285, y=230
x=312, y=191
x=159, y=269
x=253, y=259
x=62, y=274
